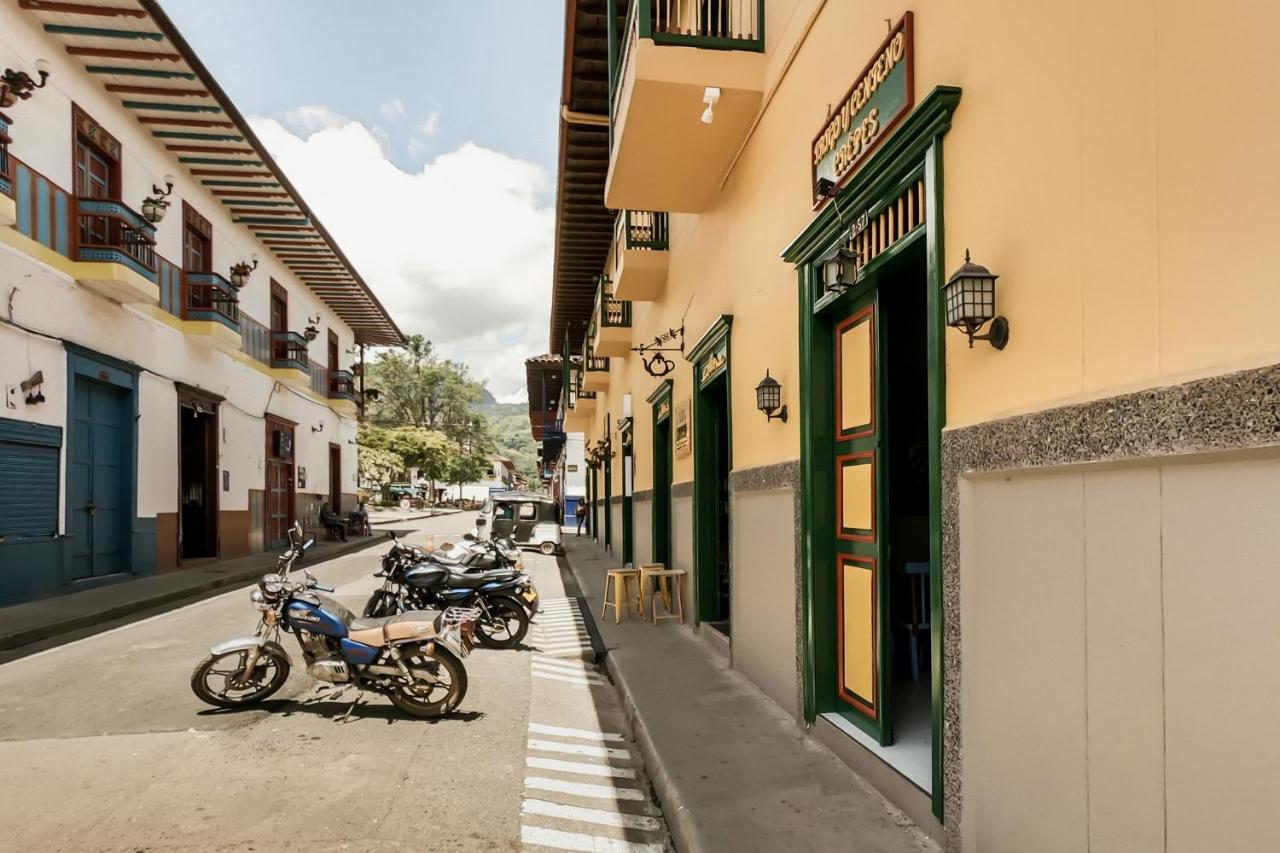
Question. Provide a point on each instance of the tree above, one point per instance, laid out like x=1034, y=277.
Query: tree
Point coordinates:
x=377, y=465
x=418, y=388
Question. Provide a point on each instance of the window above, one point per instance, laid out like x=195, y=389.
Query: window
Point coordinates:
x=528, y=512
x=29, y=455
x=97, y=175
x=504, y=512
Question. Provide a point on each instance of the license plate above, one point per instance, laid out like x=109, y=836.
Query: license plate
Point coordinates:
x=530, y=595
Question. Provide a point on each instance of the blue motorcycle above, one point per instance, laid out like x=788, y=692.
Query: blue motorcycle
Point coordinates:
x=414, y=658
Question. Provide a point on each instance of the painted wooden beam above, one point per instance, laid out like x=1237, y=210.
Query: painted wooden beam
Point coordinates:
x=185, y=122
x=246, y=193
x=124, y=89
x=81, y=9
x=209, y=149
x=218, y=161
x=103, y=32
x=208, y=137
x=125, y=71
x=114, y=53
x=173, y=108
x=230, y=173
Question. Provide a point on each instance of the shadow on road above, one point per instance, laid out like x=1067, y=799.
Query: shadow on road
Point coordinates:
x=336, y=710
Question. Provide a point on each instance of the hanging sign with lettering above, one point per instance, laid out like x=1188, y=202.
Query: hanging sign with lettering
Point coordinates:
x=880, y=97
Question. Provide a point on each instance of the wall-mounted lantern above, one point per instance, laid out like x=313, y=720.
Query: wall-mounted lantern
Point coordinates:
x=18, y=85
x=318, y=427
x=769, y=398
x=240, y=273
x=969, y=297
x=312, y=331
x=31, y=388
x=156, y=205
x=840, y=270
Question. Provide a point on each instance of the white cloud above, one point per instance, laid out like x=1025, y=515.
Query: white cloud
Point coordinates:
x=393, y=109
x=311, y=118
x=459, y=251
x=426, y=130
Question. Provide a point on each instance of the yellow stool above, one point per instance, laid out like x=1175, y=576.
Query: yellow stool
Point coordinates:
x=648, y=571
x=664, y=577
x=622, y=580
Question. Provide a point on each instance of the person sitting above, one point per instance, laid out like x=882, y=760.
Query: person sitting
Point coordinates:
x=358, y=521
x=333, y=526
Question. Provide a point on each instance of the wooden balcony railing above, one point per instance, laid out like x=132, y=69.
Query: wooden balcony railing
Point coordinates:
x=289, y=349
x=613, y=313
x=342, y=386
x=643, y=230
x=209, y=296
x=6, y=163
x=108, y=230
x=595, y=364
x=709, y=24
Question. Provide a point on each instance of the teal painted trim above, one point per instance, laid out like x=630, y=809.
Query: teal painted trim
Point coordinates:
x=24, y=200
x=44, y=209
x=718, y=332
x=115, y=256
x=270, y=220
x=213, y=317
x=184, y=134
x=154, y=73
x=172, y=108
x=106, y=207
x=103, y=32
x=61, y=218
x=256, y=202
x=662, y=392
x=216, y=161
x=288, y=235
x=229, y=183
x=904, y=151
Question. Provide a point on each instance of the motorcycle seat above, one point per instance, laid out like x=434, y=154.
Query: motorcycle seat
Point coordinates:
x=460, y=580
x=403, y=627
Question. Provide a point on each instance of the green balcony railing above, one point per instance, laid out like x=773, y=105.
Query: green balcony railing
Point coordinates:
x=612, y=313
x=708, y=24
x=642, y=229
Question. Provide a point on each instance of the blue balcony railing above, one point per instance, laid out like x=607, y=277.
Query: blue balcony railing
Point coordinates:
x=211, y=297
x=289, y=349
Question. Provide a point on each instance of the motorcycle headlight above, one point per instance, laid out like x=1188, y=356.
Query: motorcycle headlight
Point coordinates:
x=259, y=600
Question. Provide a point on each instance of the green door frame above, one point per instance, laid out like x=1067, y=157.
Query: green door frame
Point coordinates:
x=608, y=501
x=662, y=466
x=914, y=150
x=710, y=360
x=594, y=485
x=625, y=438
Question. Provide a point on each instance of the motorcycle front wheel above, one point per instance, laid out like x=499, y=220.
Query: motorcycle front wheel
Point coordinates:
x=432, y=698
x=505, y=623
x=381, y=604
x=219, y=680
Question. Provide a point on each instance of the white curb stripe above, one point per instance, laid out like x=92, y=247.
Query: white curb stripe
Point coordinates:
x=578, y=749
x=567, y=679
x=564, y=731
x=579, y=768
x=563, y=666
x=599, y=816
x=540, y=837
x=582, y=789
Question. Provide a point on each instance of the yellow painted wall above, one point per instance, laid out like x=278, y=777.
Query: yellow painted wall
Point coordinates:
x=1105, y=160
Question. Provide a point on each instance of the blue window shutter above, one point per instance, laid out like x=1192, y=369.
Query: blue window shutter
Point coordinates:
x=29, y=462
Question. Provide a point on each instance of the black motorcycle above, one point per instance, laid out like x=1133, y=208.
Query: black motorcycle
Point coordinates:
x=411, y=580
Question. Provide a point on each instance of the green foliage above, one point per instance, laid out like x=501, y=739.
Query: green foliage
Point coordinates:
x=428, y=450
x=378, y=465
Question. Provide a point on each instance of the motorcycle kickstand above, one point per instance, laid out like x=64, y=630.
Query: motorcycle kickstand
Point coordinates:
x=354, y=702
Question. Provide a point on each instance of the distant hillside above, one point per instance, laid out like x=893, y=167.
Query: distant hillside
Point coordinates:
x=509, y=424
x=487, y=397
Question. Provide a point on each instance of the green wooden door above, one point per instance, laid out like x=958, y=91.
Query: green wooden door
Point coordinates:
x=861, y=589
x=99, y=481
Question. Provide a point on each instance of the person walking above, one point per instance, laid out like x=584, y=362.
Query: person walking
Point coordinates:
x=581, y=513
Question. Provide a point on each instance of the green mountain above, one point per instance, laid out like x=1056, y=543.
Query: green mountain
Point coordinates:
x=509, y=425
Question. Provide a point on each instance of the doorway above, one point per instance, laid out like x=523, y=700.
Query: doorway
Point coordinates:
x=99, y=478
x=197, y=479
x=280, y=482
x=662, y=481
x=713, y=461
x=335, y=479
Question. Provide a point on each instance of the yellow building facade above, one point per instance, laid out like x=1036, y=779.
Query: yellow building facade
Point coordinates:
x=1005, y=584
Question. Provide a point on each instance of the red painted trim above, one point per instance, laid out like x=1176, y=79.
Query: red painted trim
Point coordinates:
x=848, y=322
x=865, y=706
x=841, y=462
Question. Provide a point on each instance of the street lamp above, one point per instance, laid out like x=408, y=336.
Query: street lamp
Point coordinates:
x=156, y=205
x=240, y=273
x=18, y=85
x=969, y=297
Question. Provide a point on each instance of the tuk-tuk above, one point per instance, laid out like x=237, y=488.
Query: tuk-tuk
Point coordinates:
x=530, y=520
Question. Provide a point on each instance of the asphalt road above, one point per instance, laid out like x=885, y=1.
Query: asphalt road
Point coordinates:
x=104, y=747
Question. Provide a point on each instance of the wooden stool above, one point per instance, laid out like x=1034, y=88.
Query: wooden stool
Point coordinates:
x=664, y=582
x=648, y=571
x=622, y=580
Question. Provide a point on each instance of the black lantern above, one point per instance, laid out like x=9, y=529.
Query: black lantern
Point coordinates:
x=969, y=297
x=240, y=273
x=769, y=398
x=840, y=270
x=312, y=331
x=18, y=85
x=156, y=205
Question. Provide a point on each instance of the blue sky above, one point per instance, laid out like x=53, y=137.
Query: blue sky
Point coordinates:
x=489, y=68
x=423, y=133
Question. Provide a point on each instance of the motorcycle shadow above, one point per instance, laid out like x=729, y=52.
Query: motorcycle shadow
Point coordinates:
x=336, y=711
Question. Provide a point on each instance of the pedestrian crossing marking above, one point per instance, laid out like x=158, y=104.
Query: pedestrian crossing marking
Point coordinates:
x=582, y=789
x=602, y=817
x=578, y=749
x=580, y=768
x=565, y=731
x=578, y=841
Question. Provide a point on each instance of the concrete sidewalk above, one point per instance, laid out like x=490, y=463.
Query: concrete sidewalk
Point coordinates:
x=732, y=769
x=23, y=624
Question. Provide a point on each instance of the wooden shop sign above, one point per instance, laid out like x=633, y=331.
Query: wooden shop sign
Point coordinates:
x=880, y=97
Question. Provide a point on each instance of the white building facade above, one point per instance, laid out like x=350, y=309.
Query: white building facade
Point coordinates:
x=156, y=414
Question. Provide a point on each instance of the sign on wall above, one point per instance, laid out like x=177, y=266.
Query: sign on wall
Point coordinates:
x=881, y=95
x=681, y=421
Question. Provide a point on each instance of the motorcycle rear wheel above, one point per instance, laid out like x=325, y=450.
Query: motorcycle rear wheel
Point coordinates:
x=216, y=680
x=505, y=625
x=432, y=700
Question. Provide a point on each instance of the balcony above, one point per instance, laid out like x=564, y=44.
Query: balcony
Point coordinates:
x=8, y=205
x=612, y=321
x=640, y=255
x=116, y=251
x=289, y=361
x=211, y=309
x=585, y=402
x=343, y=393
x=595, y=376
x=664, y=155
